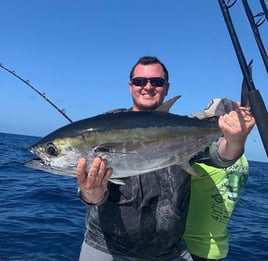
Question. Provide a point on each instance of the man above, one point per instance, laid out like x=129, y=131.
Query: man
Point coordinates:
x=145, y=218
x=214, y=194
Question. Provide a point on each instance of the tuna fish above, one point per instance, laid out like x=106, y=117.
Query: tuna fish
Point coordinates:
x=133, y=143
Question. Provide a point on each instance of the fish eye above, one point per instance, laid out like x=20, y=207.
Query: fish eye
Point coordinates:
x=51, y=149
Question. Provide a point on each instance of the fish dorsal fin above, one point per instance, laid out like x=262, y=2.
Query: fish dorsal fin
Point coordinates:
x=165, y=107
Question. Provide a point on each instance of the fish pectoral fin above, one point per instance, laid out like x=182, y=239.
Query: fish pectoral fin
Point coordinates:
x=110, y=148
x=187, y=167
x=107, y=148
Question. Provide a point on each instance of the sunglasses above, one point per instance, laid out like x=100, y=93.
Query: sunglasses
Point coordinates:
x=155, y=81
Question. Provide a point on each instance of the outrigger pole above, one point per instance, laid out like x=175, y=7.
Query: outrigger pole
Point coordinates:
x=43, y=95
x=264, y=8
x=255, y=99
x=254, y=26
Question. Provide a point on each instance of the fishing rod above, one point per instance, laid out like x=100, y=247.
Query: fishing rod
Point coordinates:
x=257, y=104
x=43, y=95
x=254, y=26
x=264, y=8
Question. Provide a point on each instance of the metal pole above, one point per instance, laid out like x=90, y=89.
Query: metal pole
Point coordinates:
x=255, y=99
x=237, y=46
x=256, y=33
x=264, y=8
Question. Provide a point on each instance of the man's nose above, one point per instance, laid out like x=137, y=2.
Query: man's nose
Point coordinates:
x=148, y=85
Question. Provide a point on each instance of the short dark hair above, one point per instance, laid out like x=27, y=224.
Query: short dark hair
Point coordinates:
x=146, y=60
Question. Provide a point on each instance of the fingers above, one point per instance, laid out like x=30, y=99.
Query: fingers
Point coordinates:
x=229, y=121
x=97, y=176
x=238, y=122
x=98, y=171
x=246, y=119
x=80, y=171
x=94, y=183
x=246, y=115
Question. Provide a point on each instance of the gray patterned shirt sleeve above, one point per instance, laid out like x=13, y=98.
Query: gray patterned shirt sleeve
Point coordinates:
x=212, y=157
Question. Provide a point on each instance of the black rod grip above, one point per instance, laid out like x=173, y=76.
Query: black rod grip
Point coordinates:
x=260, y=114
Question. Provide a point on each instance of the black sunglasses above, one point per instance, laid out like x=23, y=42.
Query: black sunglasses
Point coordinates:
x=155, y=81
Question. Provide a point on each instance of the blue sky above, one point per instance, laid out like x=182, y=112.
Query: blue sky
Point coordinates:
x=80, y=53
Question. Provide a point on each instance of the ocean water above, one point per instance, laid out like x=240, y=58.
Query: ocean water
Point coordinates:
x=42, y=219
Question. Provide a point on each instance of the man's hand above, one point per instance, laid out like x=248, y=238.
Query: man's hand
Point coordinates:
x=235, y=127
x=94, y=183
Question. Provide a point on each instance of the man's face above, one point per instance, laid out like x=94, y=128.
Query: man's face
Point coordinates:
x=148, y=97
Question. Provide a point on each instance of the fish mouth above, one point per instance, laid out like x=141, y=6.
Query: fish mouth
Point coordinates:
x=38, y=163
x=42, y=161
